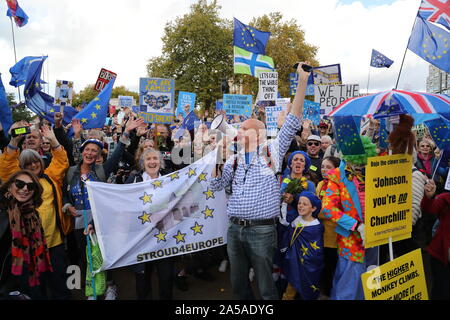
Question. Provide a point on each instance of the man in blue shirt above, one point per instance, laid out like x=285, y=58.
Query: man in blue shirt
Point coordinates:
x=254, y=205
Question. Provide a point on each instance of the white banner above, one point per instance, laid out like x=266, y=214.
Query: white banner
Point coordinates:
x=268, y=86
x=330, y=96
x=165, y=217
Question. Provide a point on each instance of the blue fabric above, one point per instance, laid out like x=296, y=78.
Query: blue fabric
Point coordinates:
x=379, y=60
x=347, y=135
x=315, y=201
x=303, y=261
x=346, y=222
x=430, y=43
x=252, y=247
x=351, y=189
x=440, y=132
x=16, y=12
x=249, y=38
x=20, y=70
x=347, y=283
x=5, y=111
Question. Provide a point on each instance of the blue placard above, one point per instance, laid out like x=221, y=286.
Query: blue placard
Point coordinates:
x=311, y=111
x=125, y=101
x=237, y=104
x=156, y=99
x=219, y=104
x=185, y=99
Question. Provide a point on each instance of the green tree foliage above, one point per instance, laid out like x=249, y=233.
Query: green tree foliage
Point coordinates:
x=84, y=96
x=21, y=112
x=122, y=91
x=196, y=52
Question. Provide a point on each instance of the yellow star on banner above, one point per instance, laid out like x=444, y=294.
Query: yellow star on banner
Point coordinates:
x=197, y=228
x=202, y=177
x=96, y=99
x=302, y=260
x=157, y=184
x=93, y=115
x=52, y=110
x=161, y=236
x=58, y=101
x=147, y=198
x=145, y=217
x=314, y=288
x=191, y=172
x=58, y=84
x=180, y=237
x=84, y=120
x=98, y=107
x=209, y=194
x=314, y=245
x=305, y=250
x=208, y=212
x=174, y=176
x=70, y=85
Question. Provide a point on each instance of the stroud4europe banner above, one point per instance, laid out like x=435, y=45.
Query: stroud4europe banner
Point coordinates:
x=160, y=218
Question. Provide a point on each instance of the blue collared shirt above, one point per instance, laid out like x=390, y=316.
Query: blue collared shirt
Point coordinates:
x=256, y=191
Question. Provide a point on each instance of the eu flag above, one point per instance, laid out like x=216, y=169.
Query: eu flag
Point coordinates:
x=39, y=102
x=383, y=134
x=431, y=44
x=93, y=116
x=20, y=70
x=250, y=39
x=5, y=111
x=440, y=132
x=16, y=12
x=379, y=60
x=347, y=136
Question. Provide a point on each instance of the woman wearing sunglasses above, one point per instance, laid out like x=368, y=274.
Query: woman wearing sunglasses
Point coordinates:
x=24, y=254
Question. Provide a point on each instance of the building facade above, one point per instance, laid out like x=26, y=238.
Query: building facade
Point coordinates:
x=438, y=81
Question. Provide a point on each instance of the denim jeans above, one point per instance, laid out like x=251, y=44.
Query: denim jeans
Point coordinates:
x=252, y=247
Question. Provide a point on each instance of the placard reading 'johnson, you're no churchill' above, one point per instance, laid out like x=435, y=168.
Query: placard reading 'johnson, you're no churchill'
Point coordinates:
x=388, y=199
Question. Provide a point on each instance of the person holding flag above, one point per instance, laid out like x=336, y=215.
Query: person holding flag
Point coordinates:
x=254, y=204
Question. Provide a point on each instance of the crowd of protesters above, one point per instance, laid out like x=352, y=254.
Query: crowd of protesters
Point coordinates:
x=44, y=196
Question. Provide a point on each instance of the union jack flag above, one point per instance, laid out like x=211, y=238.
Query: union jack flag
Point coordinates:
x=15, y=12
x=437, y=11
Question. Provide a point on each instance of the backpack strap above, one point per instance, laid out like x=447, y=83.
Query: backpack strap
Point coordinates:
x=100, y=172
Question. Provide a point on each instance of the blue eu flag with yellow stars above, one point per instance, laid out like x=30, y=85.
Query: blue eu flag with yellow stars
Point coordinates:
x=250, y=39
x=440, y=132
x=347, y=136
x=39, y=102
x=20, y=70
x=379, y=60
x=93, y=116
x=431, y=43
x=5, y=111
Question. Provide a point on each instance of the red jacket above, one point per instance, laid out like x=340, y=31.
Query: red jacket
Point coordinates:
x=439, y=205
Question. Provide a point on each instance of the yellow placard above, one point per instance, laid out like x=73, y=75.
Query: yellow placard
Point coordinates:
x=388, y=199
x=400, y=279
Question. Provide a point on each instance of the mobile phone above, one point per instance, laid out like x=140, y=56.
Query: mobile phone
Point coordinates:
x=305, y=67
x=19, y=131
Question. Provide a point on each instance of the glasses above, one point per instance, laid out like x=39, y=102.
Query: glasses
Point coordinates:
x=21, y=184
x=313, y=143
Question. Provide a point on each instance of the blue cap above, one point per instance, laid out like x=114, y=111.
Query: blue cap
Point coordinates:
x=94, y=141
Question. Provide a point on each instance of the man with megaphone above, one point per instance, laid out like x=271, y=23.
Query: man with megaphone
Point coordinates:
x=254, y=204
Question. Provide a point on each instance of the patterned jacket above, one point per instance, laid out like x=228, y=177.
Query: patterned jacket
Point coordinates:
x=341, y=205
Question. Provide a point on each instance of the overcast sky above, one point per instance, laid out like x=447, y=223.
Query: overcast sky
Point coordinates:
x=82, y=36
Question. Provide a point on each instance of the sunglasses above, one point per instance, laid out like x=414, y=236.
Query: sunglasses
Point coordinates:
x=313, y=143
x=21, y=184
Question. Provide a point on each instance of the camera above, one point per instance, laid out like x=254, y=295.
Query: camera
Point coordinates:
x=19, y=131
x=305, y=67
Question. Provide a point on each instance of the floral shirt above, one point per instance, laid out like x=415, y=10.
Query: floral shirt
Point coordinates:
x=339, y=206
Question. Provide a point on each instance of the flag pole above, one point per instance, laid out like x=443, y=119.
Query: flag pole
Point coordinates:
x=15, y=54
x=368, y=80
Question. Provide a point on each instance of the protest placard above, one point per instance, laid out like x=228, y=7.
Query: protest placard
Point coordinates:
x=268, y=86
x=272, y=114
x=125, y=101
x=103, y=79
x=400, y=279
x=311, y=111
x=388, y=199
x=63, y=93
x=186, y=103
x=237, y=104
x=331, y=96
x=156, y=100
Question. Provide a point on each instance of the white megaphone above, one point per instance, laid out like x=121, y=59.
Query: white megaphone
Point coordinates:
x=220, y=124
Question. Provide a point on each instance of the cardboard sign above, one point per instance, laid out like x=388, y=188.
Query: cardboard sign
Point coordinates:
x=125, y=101
x=388, y=199
x=63, y=93
x=186, y=103
x=331, y=96
x=400, y=279
x=156, y=99
x=272, y=114
x=237, y=104
x=103, y=79
x=268, y=86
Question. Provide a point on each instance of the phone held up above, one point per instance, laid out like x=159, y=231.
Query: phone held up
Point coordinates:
x=20, y=131
x=305, y=67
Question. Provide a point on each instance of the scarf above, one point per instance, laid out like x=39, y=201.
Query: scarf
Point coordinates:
x=426, y=162
x=28, y=242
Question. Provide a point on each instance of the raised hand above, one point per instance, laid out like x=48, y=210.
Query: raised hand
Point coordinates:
x=77, y=127
x=133, y=124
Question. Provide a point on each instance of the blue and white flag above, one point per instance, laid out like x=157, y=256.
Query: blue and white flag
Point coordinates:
x=165, y=217
x=379, y=60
